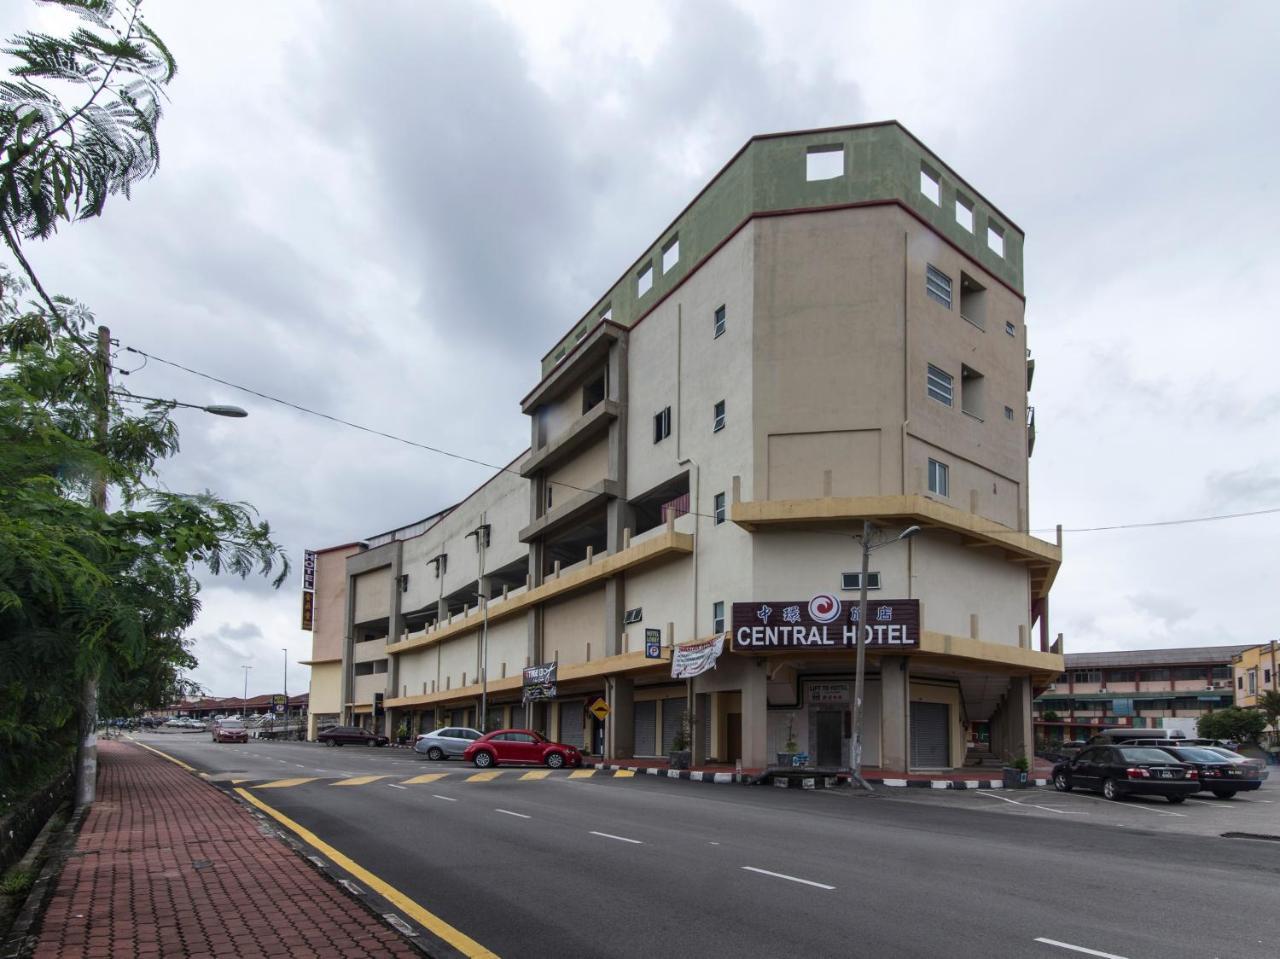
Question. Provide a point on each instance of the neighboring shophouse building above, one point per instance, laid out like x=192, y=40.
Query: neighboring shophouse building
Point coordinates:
x=1136, y=688
x=1255, y=670
x=326, y=616
x=832, y=330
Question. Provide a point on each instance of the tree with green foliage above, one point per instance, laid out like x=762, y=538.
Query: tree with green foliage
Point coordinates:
x=88, y=596
x=1240, y=725
x=1269, y=706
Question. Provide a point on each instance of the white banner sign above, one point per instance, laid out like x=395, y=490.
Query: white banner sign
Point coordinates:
x=695, y=659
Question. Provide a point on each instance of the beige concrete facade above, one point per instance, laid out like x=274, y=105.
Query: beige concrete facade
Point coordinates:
x=723, y=442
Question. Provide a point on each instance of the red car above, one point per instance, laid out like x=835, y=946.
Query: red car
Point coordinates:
x=522, y=747
x=230, y=731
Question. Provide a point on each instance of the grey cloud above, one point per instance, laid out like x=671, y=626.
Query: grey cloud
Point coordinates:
x=242, y=631
x=1169, y=610
x=1257, y=488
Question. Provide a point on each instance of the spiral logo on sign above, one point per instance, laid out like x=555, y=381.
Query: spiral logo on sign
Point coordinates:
x=824, y=608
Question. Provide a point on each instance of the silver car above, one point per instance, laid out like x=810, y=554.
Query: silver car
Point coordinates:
x=446, y=742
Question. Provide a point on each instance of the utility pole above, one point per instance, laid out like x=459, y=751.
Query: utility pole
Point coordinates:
x=87, y=744
x=855, y=748
x=285, y=650
x=244, y=703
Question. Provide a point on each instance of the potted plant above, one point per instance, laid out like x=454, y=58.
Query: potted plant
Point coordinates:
x=681, y=757
x=1015, y=773
x=791, y=746
x=402, y=733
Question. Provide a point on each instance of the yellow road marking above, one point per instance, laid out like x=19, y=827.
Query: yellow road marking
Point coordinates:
x=425, y=778
x=189, y=769
x=624, y=774
x=282, y=783
x=582, y=774
x=358, y=780
x=483, y=777
x=237, y=782
x=428, y=920
x=536, y=774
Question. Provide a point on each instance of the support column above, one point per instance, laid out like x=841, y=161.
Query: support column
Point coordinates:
x=395, y=627
x=620, y=727
x=755, y=718
x=895, y=713
x=1021, y=731
x=697, y=729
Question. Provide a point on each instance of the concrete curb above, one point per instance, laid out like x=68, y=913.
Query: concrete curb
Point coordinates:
x=728, y=778
x=718, y=779
x=950, y=783
x=24, y=932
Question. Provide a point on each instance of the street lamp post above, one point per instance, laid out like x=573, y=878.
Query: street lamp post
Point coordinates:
x=855, y=752
x=86, y=768
x=244, y=703
x=285, y=650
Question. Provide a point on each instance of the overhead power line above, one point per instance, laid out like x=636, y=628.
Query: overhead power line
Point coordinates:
x=1183, y=521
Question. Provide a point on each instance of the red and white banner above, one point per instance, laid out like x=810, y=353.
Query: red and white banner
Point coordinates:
x=694, y=659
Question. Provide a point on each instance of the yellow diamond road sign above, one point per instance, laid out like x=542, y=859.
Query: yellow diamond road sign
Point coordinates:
x=600, y=709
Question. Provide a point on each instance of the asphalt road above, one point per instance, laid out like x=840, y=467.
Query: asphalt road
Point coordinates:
x=558, y=866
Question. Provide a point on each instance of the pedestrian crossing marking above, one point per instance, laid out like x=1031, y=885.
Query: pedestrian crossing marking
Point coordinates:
x=624, y=774
x=582, y=774
x=425, y=778
x=483, y=777
x=359, y=781
x=537, y=774
x=282, y=783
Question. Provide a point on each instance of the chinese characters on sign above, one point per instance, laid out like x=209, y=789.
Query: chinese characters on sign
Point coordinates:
x=790, y=625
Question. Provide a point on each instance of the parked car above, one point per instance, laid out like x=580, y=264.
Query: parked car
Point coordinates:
x=520, y=747
x=446, y=742
x=350, y=735
x=1256, y=762
x=1219, y=775
x=230, y=731
x=1119, y=771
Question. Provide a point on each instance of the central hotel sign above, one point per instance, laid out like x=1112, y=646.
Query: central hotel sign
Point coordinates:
x=824, y=622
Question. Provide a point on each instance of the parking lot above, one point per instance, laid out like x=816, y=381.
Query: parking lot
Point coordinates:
x=1256, y=813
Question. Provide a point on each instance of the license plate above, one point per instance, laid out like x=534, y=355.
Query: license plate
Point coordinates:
x=1164, y=773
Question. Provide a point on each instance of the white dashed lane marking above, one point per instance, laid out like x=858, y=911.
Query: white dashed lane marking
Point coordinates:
x=780, y=875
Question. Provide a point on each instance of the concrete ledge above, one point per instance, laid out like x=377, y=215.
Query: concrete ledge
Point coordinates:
x=697, y=776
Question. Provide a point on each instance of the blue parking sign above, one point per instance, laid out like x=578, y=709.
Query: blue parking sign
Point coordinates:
x=652, y=644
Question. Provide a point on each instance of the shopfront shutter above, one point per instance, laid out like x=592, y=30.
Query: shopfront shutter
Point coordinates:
x=494, y=720
x=929, y=736
x=646, y=726
x=571, y=722
x=672, y=714
x=704, y=716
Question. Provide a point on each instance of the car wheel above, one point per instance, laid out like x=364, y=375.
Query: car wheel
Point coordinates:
x=555, y=760
x=482, y=760
x=1224, y=793
x=1177, y=799
x=1109, y=789
x=1062, y=783
x=435, y=754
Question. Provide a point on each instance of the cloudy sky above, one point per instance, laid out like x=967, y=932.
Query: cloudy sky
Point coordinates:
x=390, y=211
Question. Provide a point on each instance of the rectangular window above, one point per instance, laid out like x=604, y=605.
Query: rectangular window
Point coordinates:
x=717, y=617
x=854, y=581
x=718, y=508
x=671, y=254
x=607, y=313
x=1153, y=675
x=644, y=279
x=1010, y=328
x=717, y=421
x=931, y=183
x=717, y=328
x=940, y=385
x=939, y=479
x=824, y=162
x=995, y=238
x=964, y=213
x=548, y=496
x=593, y=394
x=938, y=285
x=662, y=425
x=1008, y=412
x=633, y=615
x=580, y=334
x=559, y=356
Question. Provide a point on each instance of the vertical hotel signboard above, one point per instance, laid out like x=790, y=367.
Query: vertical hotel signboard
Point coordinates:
x=308, y=589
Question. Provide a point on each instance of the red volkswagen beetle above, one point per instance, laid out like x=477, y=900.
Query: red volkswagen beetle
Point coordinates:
x=520, y=747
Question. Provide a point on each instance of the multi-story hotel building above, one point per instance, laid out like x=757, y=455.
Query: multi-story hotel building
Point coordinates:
x=832, y=331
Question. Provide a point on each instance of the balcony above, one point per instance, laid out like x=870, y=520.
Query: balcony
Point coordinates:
x=571, y=510
x=581, y=360
x=1031, y=430
x=586, y=428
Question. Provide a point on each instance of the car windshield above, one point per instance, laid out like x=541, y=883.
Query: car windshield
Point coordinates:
x=231, y=724
x=1226, y=754
x=1146, y=755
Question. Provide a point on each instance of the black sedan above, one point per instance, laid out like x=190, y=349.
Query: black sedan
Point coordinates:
x=350, y=735
x=1219, y=774
x=1119, y=771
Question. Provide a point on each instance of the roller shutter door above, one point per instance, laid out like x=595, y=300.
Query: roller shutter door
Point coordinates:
x=645, y=723
x=672, y=714
x=494, y=720
x=704, y=716
x=571, y=722
x=929, y=736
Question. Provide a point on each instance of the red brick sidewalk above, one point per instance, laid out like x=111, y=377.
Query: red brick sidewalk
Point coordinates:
x=168, y=866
